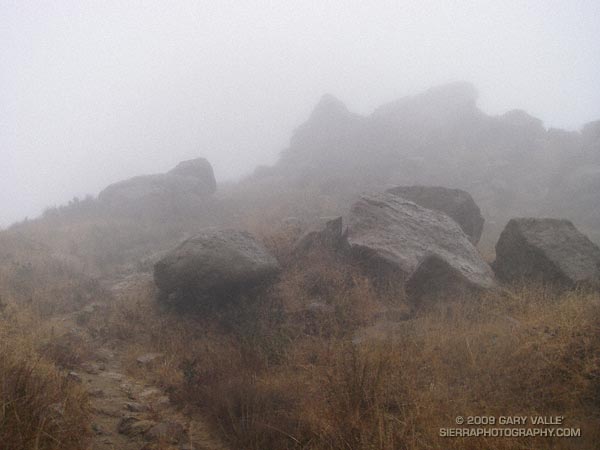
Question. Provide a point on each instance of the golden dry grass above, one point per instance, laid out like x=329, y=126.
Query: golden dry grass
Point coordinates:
x=40, y=408
x=272, y=376
x=272, y=373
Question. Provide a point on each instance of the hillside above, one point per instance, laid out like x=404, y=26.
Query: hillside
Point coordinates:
x=511, y=164
x=340, y=299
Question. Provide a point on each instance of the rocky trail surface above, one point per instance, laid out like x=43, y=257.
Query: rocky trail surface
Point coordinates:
x=129, y=413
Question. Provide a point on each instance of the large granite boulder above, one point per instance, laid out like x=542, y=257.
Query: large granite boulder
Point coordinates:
x=214, y=265
x=189, y=179
x=423, y=246
x=457, y=203
x=547, y=250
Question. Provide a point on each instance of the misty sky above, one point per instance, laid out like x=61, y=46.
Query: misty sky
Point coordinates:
x=92, y=92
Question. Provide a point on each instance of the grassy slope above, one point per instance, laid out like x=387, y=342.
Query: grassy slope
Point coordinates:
x=272, y=375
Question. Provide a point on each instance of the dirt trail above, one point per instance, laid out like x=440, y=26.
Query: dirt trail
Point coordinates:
x=130, y=414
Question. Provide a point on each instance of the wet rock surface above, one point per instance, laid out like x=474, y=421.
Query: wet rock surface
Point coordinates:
x=547, y=250
x=424, y=247
x=214, y=264
x=458, y=204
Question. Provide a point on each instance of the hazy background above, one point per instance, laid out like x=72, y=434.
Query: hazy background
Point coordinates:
x=92, y=92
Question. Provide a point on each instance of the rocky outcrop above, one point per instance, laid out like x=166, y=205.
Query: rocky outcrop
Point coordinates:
x=547, y=250
x=425, y=247
x=189, y=179
x=510, y=163
x=394, y=237
x=456, y=203
x=214, y=265
x=575, y=188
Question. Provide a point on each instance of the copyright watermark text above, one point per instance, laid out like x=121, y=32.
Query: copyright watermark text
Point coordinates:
x=510, y=427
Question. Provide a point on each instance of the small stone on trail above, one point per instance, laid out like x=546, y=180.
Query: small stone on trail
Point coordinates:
x=96, y=393
x=148, y=358
x=136, y=407
x=74, y=376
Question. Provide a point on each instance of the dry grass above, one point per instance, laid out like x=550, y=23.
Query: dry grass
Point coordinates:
x=272, y=374
x=40, y=409
x=325, y=360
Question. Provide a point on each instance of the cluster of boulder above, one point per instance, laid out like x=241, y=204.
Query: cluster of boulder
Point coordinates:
x=423, y=236
x=397, y=237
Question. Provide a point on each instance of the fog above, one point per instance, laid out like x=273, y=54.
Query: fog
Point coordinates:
x=93, y=92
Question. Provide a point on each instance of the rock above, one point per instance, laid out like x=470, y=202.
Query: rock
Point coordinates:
x=214, y=264
x=127, y=388
x=74, y=376
x=171, y=432
x=150, y=392
x=90, y=368
x=424, y=247
x=98, y=429
x=136, y=407
x=133, y=426
x=189, y=179
x=198, y=168
x=458, y=204
x=96, y=393
x=148, y=358
x=163, y=400
x=436, y=276
x=328, y=234
x=547, y=250
x=104, y=355
x=113, y=375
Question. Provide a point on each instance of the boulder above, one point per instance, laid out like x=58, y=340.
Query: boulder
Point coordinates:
x=199, y=169
x=192, y=178
x=148, y=359
x=425, y=247
x=458, y=204
x=328, y=234
x=214, y=264
x=546, y=250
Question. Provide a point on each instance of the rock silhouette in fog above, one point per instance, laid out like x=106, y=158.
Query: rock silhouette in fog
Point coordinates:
x=214, y=265
x=510, y=163
x=575, y=189
x=548, y=250
x=458, y=204
x=188, y=181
